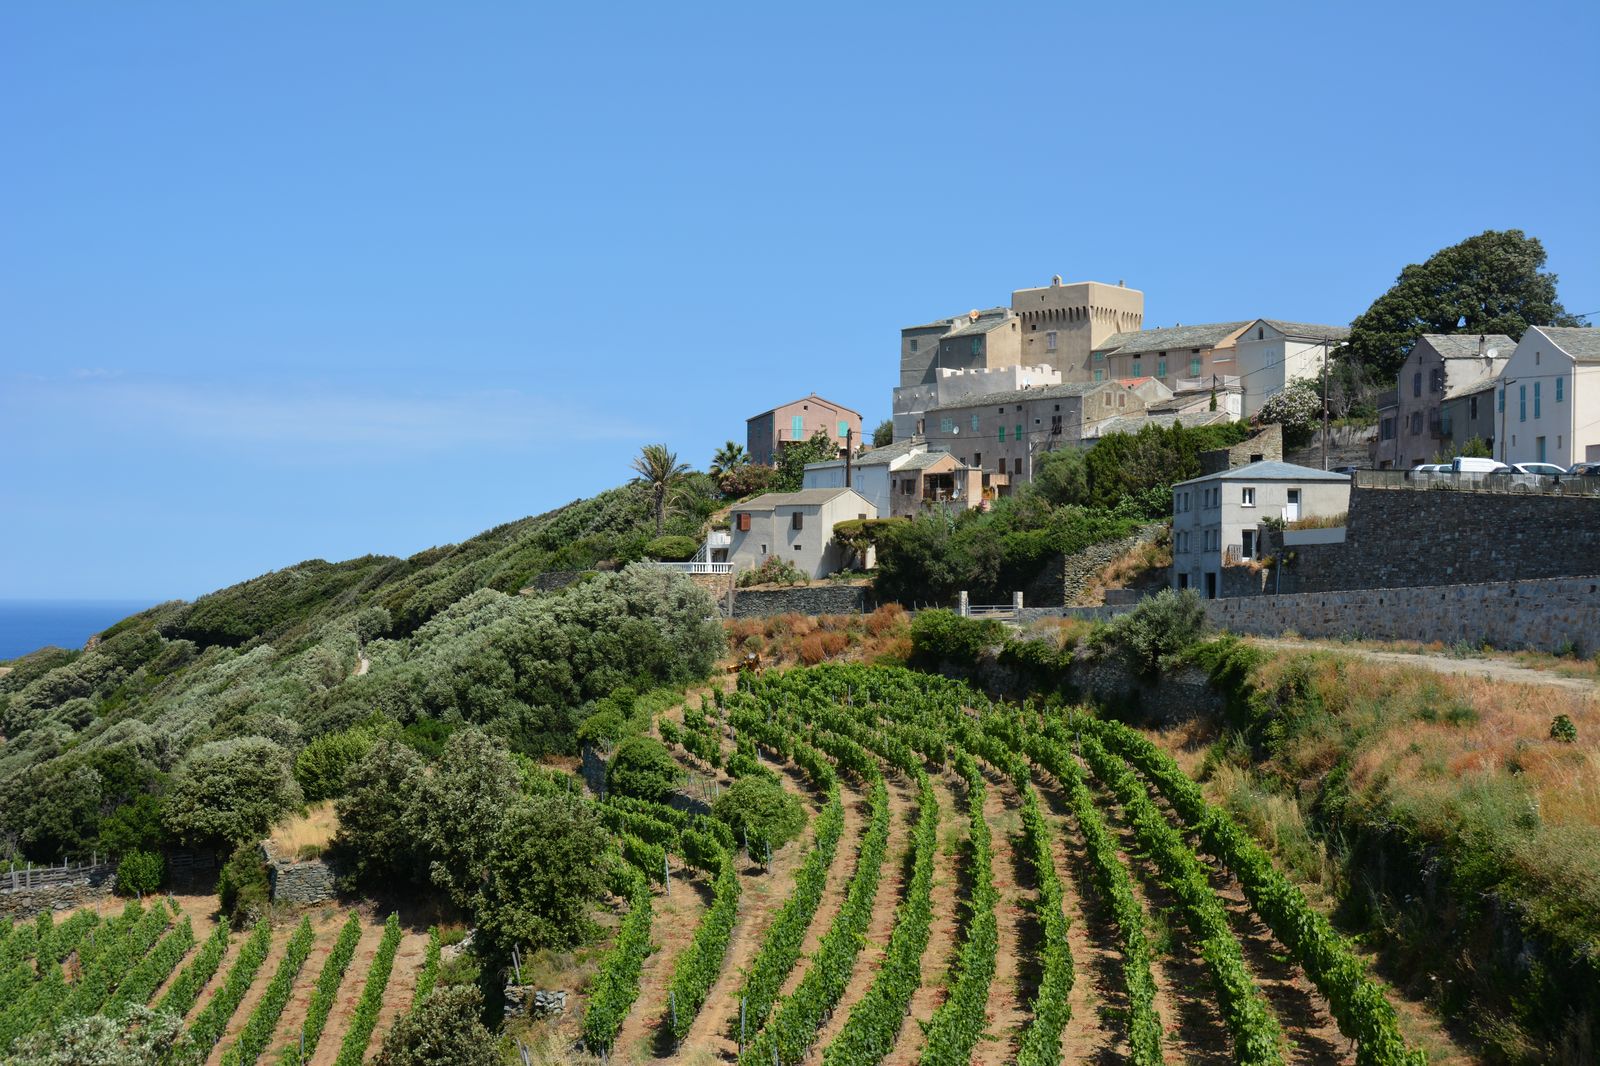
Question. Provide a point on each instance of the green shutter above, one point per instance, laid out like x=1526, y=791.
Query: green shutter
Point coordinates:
x=797, y=427
x=1002, y=433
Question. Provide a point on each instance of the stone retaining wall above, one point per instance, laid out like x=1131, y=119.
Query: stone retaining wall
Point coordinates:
x=807, y=599
x=26, y=903
x=299, y=882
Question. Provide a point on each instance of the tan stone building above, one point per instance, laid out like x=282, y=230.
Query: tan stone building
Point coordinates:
x=1412, y=432
x=768, y=432
x=1001, y=434
x=1062, y=325
x=1169, y=353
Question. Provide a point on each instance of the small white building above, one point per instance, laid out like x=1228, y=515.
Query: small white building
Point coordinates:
x=797, y=527
x=1271, y=353
x=869, y=472
x=1216, y=519
x=1548, y=400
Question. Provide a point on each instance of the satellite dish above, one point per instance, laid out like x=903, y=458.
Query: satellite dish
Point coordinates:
x=956, y=431
x=1491, y=353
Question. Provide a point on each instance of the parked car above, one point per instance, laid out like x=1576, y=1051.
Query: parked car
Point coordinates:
x=1541, y=469
x=1466, y=464
x=1591, y=469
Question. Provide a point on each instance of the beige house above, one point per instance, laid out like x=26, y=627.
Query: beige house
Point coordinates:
x=931, y=480
x=768, y=432
x=1549, y=397
x=1216, y=519
x=1439, y=365
x=1168, y=353
x=1002, y=433
x=795, y=526
x=953, y=385
x=1271, y=353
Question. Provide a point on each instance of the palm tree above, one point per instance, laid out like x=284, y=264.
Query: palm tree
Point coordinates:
x=727, y=457
x=659, y=470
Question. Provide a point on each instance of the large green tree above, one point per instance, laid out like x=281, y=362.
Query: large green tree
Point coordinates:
x=459, y=808
x=792, y=459
x=660, y=472
x=1492, y=283
x=230, y=791
x=442, y=1030
x=883, y=435
x=543, y=875
x=730, y=455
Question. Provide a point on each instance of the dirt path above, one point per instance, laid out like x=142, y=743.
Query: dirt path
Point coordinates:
x=946, y=903
x=761, y=895
x=252, y=996
x=1099, y=993
x=891, y=884
x=1016, y=975
x=1493, y=669
x=216, y=979
x=294, y=1012
x=856, y=813
x=676, y=915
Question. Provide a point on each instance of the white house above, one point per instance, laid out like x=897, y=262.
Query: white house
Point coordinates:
x=1216, y=519
x=1270, y=353
x=1548, y=400
x=869, y=472
x=795, y=526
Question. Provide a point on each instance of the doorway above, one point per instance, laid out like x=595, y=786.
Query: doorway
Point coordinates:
x=1211, y=586
x=1291, y=510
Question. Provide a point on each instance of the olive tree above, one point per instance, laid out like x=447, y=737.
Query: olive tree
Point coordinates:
x=230, y=791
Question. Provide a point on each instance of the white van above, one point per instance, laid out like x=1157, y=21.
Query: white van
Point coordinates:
x=1463, y=464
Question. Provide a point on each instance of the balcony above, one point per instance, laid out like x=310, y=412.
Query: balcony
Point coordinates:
x=696, y=566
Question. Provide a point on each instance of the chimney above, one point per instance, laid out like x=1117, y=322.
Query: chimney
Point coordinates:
x=1483, y=345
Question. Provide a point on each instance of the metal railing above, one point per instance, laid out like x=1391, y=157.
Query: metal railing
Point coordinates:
x=1424, y=480
x=19, y=877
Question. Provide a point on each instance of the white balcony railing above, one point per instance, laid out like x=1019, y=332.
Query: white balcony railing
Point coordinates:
x=698, y=567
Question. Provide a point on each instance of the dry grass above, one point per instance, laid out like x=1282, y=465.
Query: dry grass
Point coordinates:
x=1138, y=567
x=1331, y=521
x=1563, y=665
x=787, y=639
x=311, y=830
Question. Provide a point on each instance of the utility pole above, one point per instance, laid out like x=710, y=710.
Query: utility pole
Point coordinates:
x=1324, y=403
x=849, y=440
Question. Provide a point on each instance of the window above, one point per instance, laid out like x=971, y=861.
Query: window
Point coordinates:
x=1416, y=384
x=797, y=427
x=1194, y=367
x=905, y=486
x=763, y=549
x=1050, y=341
x=797, y=546
x=844, y=427
x=1472, y=407
x=1247, y=550
x=1261, y=334
x=913, y=344
x=1247, y=496
x=1501, y=401
x=742, y=521
x=1099, y=357
x=977, y=346
x=1000, y=464
x=1002, y=434
x=977, y=459
x=1416, y=422
x=1055, y=425
x=974, y=423
x=1019, y=431
x=1161, y=368
x=1138, y=366
x=797, y=520
x=1538, y=442
x=1122, y=399
x=1099, y=375
x=1535, y=399
x=1558, y=389
x=1522, y=403
x=947, y=425
x=1436, y=379
x=1016, y=466
x=1387, y=429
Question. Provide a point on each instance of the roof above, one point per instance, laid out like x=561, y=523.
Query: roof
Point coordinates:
x=1309, y=330
x=1170, y=338
x=1270, y=470
x=1580, y=342
x=803, y=399
x=1481, y=385
x=924, y=460
x=1163, y=419
x=876, y=456
x=1131, y=382
x=962, y=322
x=986, y=321
x=1465, y=345
x=1043, y=392
x=768, y=501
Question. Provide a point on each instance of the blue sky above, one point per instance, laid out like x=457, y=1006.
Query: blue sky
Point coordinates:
x=294, y=280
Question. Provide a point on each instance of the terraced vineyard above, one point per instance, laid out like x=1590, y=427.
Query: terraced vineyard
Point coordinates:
x=289, y=995
x=981, y=883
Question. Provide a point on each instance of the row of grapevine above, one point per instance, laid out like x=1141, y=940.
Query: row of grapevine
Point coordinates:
x=616, y=983
x=182, y=993
x=869, y=1033
x=793, y=1028
x=37, y=1007
x=356, y=1038
x=155, y=967
x=959, y=1021
x=1050, y=1009
x=1363, y=1012
x=1256, y=1038
x=430, y=968
x=212, y=1020
x=324, y=992
x=697, y=968
x=121, y=950
x=780, y=946
x=258, y=1028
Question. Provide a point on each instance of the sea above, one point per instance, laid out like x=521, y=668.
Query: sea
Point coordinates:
x=28, y=625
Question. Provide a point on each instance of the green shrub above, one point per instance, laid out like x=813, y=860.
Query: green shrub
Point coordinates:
x=242, y=886
x=1159, y=628
x=671, y=549
x=775, y=571
x=642, y=768
x=321, y=766
x=758, y=808
x=443, y=1030
x=1562, y=729
x=139, y=873
x=945, y=635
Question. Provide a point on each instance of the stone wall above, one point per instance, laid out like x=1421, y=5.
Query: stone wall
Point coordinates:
x=805, y=599
x=25, y=903
x=1171, y=696
x=1266, y=443
x=1545, y=615
x=299, y=883
x=1405, y=538
x=1065, y=577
